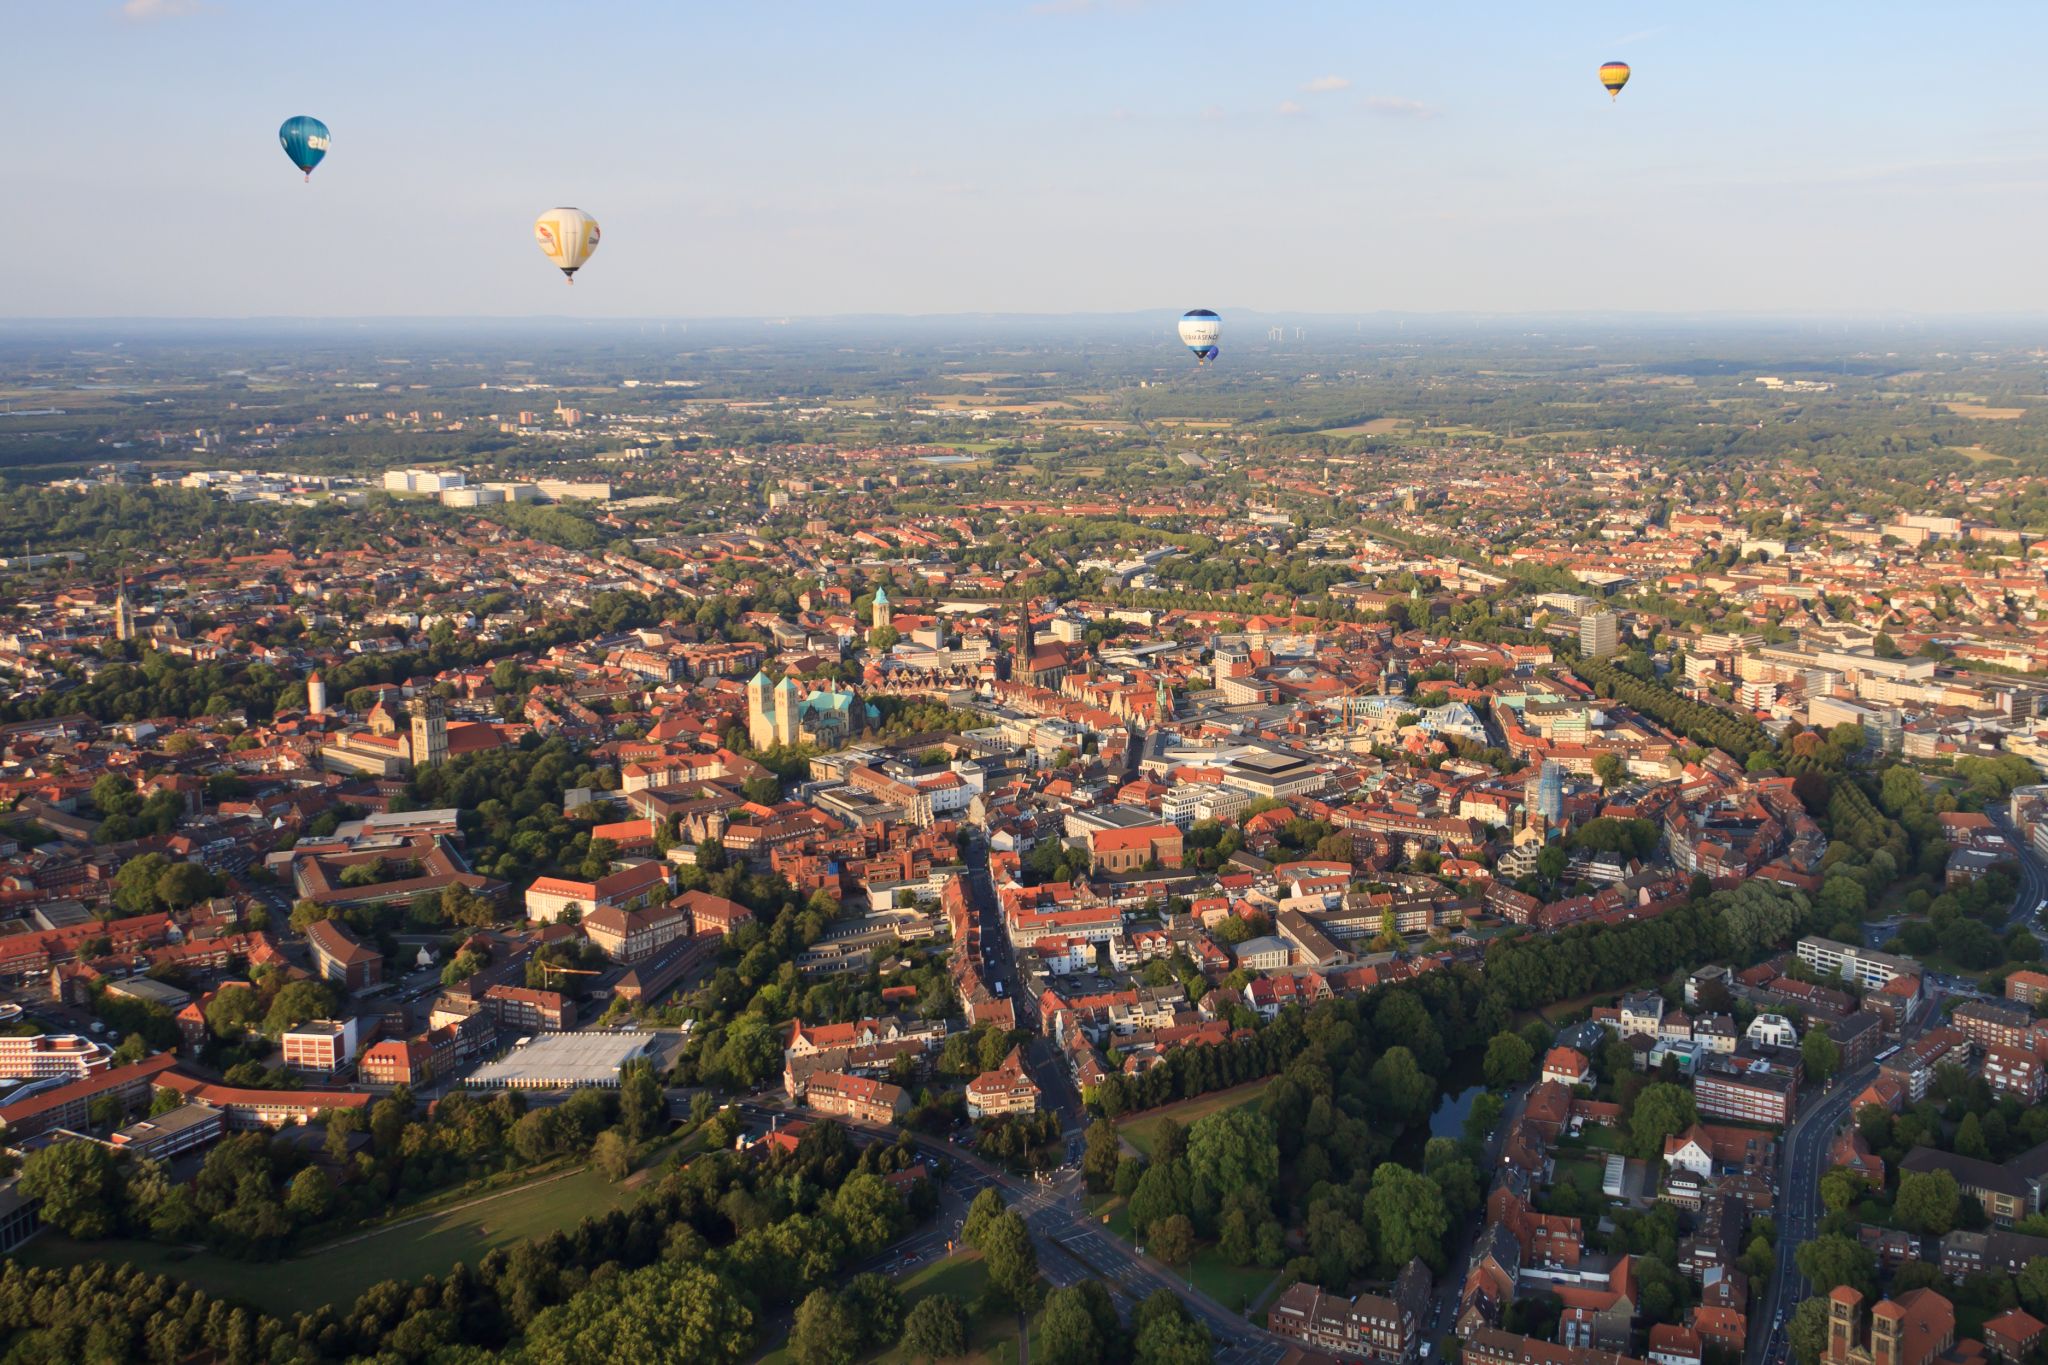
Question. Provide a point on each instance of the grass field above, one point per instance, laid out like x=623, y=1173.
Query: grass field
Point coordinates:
x=339, y=1271
x=1985, y=413
x=1585, y=1172
x=1235, y=1287
x=1378, y=426
x=1143, y=1132
x=1594, y=1138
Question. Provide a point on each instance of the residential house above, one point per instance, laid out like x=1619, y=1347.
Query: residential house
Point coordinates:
x=1378, y=1327
x=1006, y=1090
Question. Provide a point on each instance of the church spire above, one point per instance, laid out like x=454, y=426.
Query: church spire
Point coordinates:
x=124, y=620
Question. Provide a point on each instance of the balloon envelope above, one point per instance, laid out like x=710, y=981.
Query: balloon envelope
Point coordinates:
x=304, y=140
x=1614, y=75
x=1200, y=330
x=566, y=237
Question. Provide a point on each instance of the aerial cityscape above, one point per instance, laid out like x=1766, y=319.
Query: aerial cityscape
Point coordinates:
x=830, y=793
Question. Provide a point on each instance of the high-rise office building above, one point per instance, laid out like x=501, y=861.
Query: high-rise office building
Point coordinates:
x=1599, y=634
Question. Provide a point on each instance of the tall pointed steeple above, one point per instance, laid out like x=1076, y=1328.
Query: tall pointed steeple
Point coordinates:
x=1027, y=644
x=124, y=620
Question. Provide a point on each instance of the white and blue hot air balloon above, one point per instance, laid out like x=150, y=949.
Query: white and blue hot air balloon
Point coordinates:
x=1200, y=330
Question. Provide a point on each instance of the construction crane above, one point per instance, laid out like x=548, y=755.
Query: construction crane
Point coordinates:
x=548, y=969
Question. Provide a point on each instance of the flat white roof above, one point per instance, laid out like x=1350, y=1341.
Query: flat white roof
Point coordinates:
x=562, y=1061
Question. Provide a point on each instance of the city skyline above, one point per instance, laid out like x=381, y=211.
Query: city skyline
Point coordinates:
x=1091, y=158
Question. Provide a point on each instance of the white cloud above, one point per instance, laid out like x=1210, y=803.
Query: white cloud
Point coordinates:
x=1393, y=106
x=1288, y=109
x=142, y=11
x=1323, y=85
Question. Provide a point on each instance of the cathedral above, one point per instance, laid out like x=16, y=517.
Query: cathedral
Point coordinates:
x=381, y=747
x=1032, y=664
x=779, y=714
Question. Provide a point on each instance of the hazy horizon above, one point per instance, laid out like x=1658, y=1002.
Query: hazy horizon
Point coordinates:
x=1052, y=157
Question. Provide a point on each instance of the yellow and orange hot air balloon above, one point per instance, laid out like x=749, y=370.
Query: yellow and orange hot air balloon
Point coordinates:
x=1614, y=75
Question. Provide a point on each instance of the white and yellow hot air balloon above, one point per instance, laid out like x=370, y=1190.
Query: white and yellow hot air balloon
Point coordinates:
x=566, y=237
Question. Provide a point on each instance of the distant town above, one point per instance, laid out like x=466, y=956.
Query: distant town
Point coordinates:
x=960, y=856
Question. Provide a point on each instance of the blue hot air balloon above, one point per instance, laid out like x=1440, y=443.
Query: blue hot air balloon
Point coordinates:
x=1200, y=331
x=304, y=140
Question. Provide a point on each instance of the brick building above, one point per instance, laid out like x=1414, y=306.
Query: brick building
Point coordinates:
x=635, y=935
x=859, y=1097
x=1380, y=1327
x=340, y=956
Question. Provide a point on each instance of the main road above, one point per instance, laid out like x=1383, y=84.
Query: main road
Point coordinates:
x=999, y=964
x=1797, y=1211
x=1072, y=1246
x=2033, y=877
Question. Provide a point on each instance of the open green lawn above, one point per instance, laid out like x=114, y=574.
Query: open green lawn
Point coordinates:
x=1235, y=1287
x=1142, y=1133
x=1595, y=1137
x=1585, y=1172
x=339, y=1271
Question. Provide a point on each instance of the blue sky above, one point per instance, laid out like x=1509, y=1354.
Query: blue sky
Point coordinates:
x=920, y=156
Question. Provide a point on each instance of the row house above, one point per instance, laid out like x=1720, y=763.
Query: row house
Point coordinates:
x=1377, y=1327
x=807, y=1039
x=1270, y=994
x=1490, y=1346
x=33, y=954
x=1599, y=1317
x=857, y=1097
